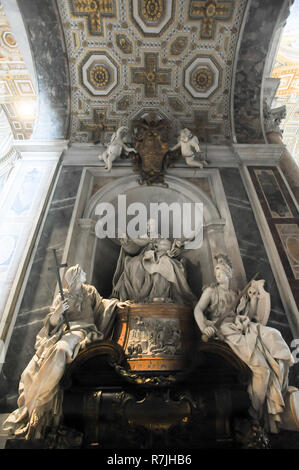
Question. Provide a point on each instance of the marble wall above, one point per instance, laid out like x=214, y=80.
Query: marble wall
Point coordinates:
x=282, y=218
x=19, y=205
x=42, y=281
x=251, y=246
x=254, y=255
x=253, y=252
x=41, y=284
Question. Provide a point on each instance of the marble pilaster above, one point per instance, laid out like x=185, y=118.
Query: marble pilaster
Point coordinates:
x=40, y=283
x=22, y=203
x=252, y=249
x=288, y=164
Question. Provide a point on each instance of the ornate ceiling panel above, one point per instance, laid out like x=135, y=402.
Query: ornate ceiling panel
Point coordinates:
x=129, y=57
x=16, y=87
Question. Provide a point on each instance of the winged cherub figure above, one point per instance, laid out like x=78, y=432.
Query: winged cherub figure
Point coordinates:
x=115, y=147
x=189, y=145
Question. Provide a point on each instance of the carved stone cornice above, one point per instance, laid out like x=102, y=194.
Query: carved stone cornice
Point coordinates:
x=218, y=156
x=41, y=149
x=8, y=161
x=256, y=154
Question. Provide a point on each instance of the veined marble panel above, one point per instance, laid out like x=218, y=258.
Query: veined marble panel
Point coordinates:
x=252, y=249
x=41, y=281
x=19, y=207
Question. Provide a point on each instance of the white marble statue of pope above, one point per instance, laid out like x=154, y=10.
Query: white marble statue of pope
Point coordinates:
x=90, y=318
x=261, y=347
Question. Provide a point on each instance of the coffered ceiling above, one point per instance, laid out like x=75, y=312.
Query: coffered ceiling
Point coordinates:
x=101, y=64
x=129, y=57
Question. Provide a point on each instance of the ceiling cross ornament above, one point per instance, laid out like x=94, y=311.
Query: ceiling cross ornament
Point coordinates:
x=210, y=11
x=98, y=125
x=94, y=11
x=150, y=75
x=150, y=58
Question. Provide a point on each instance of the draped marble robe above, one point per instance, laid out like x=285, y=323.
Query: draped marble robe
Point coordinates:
x=261, y=347
x=151, y=269
x=40, y=397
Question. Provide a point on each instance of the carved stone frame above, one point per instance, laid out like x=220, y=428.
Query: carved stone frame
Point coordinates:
x=219, y=233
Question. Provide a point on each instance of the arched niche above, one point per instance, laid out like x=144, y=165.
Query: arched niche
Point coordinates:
x=98, y=257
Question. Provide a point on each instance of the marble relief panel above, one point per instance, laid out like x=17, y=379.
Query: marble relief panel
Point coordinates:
x=10, y=238
x=154, y=337
x=8, y=244
x=26, y=194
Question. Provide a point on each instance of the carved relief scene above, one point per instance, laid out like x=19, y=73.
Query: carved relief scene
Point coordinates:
x=154, y=337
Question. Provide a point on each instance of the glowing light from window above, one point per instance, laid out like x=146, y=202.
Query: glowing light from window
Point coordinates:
x=26, y=109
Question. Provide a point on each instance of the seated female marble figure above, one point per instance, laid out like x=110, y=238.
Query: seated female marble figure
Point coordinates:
x=151, y=269
x=90, y=318
x=262, y=348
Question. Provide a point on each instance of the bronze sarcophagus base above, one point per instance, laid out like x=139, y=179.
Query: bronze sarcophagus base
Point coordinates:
x=153, y=384
x=156, y=337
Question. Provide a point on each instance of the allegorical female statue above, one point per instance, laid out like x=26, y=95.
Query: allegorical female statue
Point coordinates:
x=90, y=318
x=262, y=348
x=151, y=269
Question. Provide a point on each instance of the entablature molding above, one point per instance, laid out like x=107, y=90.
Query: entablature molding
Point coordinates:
x=218, y=156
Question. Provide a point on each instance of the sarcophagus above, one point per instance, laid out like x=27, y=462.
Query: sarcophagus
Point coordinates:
x=156, y=337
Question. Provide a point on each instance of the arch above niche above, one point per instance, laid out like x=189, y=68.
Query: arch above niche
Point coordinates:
x=180, y=191
x=85, y=248
x=182, y=188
